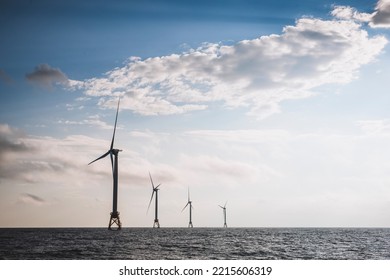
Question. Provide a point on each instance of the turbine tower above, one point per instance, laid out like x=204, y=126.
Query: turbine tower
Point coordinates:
x=154, y=190
x=224, y=214
x=114, y=215
x=190, y=204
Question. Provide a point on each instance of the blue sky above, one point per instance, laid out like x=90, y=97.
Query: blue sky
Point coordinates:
x=280, y=108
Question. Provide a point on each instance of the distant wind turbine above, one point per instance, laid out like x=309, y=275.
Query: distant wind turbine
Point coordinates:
x=114, y=215
x=154, y=190
x=224, y=214
x=190, y=204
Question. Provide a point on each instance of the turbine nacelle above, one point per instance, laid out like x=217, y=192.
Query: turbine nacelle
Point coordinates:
x=223, y=207
x=109, y=152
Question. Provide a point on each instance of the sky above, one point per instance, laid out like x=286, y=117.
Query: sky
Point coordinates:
x=278, y=108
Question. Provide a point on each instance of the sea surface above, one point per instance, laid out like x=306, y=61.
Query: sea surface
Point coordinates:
x=195, y=243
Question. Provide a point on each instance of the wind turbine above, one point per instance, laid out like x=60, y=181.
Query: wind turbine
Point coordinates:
x=114, y=215
x=190, y=204
x=224, y=214
x=154, y=190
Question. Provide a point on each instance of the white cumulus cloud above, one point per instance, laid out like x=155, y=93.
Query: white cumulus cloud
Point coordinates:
x=256, y=74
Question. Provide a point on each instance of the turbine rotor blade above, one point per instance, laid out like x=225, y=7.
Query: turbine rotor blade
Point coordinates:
x=225, y=205
x=220, y=206
x=185, y=206
x=100, y=157
x=116, y=119
x=151, y=180
x=150, y=201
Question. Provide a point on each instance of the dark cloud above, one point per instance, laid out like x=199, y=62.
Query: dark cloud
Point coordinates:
x=26, y=159
x=9, y=140
x=46, y=76
x=381, y=18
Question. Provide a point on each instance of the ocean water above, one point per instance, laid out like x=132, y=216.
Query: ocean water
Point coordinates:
x=196, y=243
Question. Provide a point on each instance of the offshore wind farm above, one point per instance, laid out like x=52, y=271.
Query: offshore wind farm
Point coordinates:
x=114, y=215
x=258, y=111
x=112, y=109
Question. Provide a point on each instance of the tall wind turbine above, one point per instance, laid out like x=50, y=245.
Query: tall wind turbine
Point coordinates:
x=154, y=190
x=114, y=215
x=190, y=204
x=224, y=214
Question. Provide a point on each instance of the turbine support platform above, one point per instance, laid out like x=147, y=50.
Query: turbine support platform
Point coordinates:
x=190, y=225
x=156, y=223
x=114, y=219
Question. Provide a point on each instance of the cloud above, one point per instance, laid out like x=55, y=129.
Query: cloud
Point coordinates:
x=58, y=161
x=375, y=126
x=31, y=199
x=90, y=121
x=256, y=74
x=218, y=167
x=46, y=76
x=11, y=141
x=242, y=136
x=302, y=171
x=33, y=159
x=381, y=16
x=349, y=13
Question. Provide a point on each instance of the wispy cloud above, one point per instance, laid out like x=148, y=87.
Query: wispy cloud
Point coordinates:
x=375, y=126
x=245, y=165
x=217, y=166
x=57, y=161
x=94, y=121
x=11, y=140
x=46, y=76
x=256, y=74
x=31, y=199
x=33, y=159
